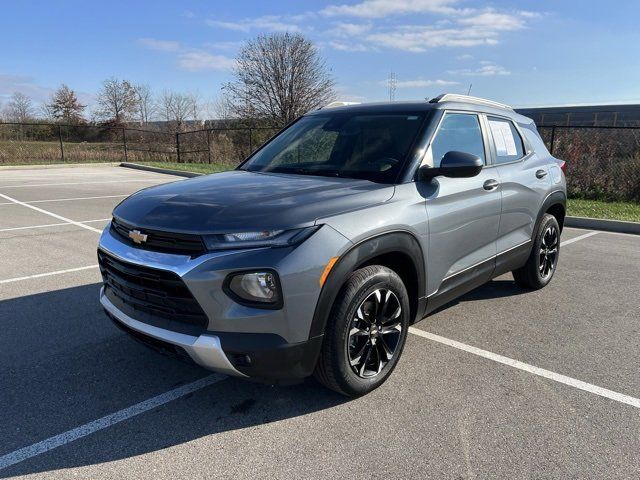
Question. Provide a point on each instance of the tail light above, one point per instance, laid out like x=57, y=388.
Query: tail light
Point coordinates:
x=563, y=166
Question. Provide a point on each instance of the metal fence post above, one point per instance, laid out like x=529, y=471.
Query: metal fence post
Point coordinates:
x=61, y=144
x=178, y=145
x=209, y=145
x=553, y=137
x=124, y=143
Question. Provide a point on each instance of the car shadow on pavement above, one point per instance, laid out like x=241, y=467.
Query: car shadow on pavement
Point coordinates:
x=65, y=364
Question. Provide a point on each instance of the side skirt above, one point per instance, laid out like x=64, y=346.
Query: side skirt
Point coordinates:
x=462, y=282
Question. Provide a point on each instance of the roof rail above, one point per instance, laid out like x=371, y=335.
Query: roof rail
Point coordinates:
x=454, y=97
x=338, y=104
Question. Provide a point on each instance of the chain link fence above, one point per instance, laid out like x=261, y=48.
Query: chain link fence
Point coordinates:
x=40, y=143
x=603, y=163
x=222, y=146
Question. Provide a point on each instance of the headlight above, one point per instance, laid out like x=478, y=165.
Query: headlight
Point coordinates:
x=263, y=238
x=261, y=289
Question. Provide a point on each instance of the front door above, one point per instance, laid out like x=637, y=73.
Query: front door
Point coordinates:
x=464, y=213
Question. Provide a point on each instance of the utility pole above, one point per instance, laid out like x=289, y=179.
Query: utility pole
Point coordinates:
x=392, y=82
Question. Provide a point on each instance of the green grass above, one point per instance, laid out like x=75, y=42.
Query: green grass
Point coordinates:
x=626, y=211
x=190, y=167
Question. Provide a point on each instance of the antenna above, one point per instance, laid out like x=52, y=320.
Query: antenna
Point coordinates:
x=392, y=82
x=469, y=91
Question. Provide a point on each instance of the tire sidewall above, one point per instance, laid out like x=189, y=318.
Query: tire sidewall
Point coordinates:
x=547, y=221
x=350, y=381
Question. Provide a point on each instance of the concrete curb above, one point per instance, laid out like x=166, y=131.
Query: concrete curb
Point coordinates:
x=602, y=224
x=575, y=222
x=179, y=173
x=45, y=166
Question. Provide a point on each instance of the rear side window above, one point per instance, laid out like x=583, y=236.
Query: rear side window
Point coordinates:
x=458, y=132
x=506, y=139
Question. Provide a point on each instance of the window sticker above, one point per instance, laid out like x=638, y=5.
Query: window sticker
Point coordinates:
x=503, y=138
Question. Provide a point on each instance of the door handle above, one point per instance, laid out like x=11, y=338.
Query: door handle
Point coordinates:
x=541, y=173
x=490, y=184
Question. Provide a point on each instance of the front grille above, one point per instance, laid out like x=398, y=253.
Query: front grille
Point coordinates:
x=144, y=292
x=167, y=242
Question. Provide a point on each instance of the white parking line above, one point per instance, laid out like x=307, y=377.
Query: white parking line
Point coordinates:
x=79, y=183
x=47, y=274
x=69, y=199
x=557, y=377
x=106, y=421
x=12, y=229
x=51, y=214
x=576, y=239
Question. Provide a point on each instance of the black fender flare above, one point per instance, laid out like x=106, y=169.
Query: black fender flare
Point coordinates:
x=555, y=198
x=390, y=242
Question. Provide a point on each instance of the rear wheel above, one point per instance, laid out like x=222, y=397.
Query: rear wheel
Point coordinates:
x=543, y=260
x=365, y=333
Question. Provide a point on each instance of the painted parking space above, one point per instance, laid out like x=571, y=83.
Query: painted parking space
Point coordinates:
x=445, y=412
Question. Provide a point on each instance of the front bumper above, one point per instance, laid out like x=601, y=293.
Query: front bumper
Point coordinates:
x=236, y=340
x=205, y=349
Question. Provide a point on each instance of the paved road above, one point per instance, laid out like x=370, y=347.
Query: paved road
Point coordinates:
x=451, y=410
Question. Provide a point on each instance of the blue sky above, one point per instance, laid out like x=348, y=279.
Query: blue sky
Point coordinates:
x=518, y=52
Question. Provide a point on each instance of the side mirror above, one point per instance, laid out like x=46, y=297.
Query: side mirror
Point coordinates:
x=455, y=165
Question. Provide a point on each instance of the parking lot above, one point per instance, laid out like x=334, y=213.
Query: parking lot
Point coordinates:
x=502, y=383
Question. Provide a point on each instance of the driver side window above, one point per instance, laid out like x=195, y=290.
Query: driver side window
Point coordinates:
x=458, y=132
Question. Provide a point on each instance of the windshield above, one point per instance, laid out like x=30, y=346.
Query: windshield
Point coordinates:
x=353, y=145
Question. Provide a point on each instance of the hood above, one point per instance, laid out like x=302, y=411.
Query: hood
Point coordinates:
x=240, y=201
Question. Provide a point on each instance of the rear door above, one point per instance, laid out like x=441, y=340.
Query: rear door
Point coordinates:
x=524, y=179
x=463, y=213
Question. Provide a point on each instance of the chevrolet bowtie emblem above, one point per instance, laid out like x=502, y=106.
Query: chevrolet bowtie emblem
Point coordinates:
x=137, y=236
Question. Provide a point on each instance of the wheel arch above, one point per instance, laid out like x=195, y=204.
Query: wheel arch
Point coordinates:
x=555, y=204
x=399, y=250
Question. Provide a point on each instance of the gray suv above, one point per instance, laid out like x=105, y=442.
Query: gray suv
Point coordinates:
x=317, y=253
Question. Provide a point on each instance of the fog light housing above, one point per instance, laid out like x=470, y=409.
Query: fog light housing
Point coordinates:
x=255, y=289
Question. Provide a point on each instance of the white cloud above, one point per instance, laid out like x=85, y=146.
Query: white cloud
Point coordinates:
x=419, y=83
x=493, y=21
x=25, y=85
x=192, y=59
x=383, y=8
x=421, y=39
x=160, y=45
x=348, y=47
x=447, y=25
x=486, y=69
x=350, y=29
x=198, y=60
x=273, y=23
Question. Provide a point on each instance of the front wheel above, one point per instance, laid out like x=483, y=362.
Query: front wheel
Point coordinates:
x=543, y=260
x=365, y=333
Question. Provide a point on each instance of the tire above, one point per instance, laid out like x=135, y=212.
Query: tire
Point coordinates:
x=363, y=342
x=543, y=260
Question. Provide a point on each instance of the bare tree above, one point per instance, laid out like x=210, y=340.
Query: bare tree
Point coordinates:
x=194, y=100
x=146, y=102
x=175, y=108
x=117, y=101
x=19, y=108
x=65, y=106
x=279, y=77
x=220, y=108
